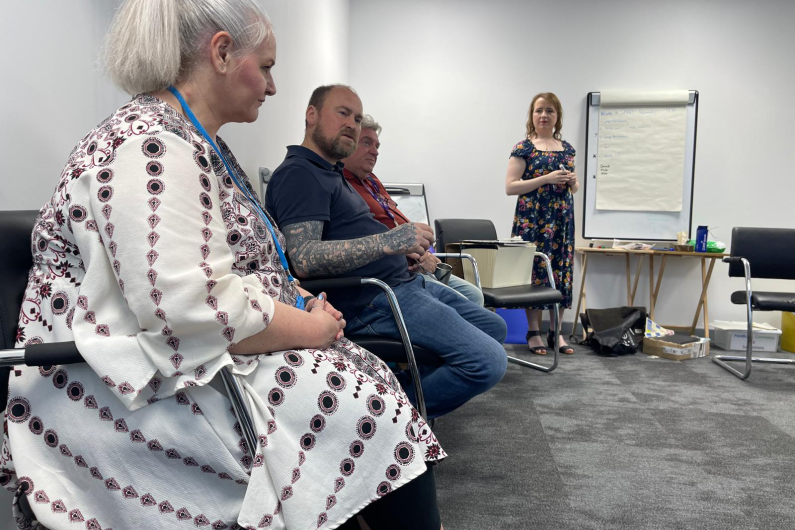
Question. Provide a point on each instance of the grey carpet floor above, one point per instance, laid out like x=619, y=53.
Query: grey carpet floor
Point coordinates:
x=630, y=442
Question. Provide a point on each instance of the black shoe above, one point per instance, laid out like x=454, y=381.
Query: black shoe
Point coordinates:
x=538, y=350
x=568, y=350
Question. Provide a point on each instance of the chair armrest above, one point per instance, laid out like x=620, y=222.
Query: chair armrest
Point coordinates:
x=548, y=264
x=404, y=334
x=58, y=353
x=469, y=257
x=317, y=285
x=47, y=354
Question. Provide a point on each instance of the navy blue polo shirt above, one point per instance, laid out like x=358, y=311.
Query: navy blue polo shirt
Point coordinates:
x=305, y=187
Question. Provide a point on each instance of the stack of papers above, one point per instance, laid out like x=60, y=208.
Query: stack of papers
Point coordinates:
x=740, y=325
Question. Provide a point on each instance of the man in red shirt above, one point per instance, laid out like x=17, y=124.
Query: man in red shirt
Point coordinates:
x=358, y=172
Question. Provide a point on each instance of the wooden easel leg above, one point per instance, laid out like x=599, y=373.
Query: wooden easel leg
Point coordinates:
x=659, y=281
x=651, y=286
x=629, y=280
x=705, y=281
x=581, y=298
x=703, y=299
x=637, y=277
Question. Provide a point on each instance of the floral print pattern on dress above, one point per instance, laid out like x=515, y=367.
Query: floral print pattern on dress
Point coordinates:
x=545, y=216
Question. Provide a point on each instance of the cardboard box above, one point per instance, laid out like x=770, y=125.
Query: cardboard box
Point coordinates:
x=734, y=336
x=500, y=263
x=676, y=352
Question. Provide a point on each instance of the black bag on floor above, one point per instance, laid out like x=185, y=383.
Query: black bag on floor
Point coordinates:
x=614, y=331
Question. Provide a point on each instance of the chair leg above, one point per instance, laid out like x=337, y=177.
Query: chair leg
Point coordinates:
x=404, y=334
x=556, y=327
x=720, y=360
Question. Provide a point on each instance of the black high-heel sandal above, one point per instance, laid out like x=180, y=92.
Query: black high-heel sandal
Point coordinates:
x=538, y=350
x=568, y=350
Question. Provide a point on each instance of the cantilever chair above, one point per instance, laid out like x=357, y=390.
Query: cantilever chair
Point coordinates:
x=457, y=230
x=759, y=253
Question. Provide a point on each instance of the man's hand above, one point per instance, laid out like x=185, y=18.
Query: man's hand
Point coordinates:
x=409, y=238
x=425, y=263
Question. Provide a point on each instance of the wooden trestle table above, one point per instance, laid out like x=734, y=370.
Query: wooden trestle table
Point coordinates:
x=654, y=287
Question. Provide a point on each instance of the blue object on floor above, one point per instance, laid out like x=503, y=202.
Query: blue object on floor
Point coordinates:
x=517, y=325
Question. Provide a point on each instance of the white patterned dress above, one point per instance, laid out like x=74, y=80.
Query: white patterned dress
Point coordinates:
x=149, y=259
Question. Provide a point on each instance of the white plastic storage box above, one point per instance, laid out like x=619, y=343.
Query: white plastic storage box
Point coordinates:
x=734, y=336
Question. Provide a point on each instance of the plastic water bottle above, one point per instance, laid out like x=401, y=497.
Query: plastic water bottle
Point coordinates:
x=701, y=239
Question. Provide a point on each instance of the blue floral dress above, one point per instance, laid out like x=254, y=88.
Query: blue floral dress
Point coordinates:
x=545, y=216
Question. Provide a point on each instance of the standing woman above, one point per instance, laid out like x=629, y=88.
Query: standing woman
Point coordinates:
x=541, y=173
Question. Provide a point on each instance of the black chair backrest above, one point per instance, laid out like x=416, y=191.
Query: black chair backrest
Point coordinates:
x=455, y=230
x=770, y=251
x=16, y=227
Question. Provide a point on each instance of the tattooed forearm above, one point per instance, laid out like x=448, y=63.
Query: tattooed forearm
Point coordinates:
x=311, y=256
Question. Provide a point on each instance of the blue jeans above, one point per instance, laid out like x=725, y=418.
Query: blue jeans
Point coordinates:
x=462, y=287
x=467, y=337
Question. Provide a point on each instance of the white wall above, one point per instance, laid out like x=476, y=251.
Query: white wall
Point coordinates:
x=55, y=90
x=450, y=81
x=52, y=94
x=312, y=50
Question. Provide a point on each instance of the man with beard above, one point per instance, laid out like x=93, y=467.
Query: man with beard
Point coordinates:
x=330, y=232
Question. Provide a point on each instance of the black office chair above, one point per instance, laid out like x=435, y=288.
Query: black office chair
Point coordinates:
x=771, y=253
x=457, y=230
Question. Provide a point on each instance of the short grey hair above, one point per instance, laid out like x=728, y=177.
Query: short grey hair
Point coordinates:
x=369, y=123
x=153, y=43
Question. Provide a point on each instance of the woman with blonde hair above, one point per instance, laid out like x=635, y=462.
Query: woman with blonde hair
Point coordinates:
x=541, y=173
x=155, y=256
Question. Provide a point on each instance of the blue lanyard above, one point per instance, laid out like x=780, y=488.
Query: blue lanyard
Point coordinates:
x=299, y=303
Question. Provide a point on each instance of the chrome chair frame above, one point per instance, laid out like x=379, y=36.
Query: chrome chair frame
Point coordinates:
x=556, y=317
x=404, y=335
x=323, y=284
x=69, y=355
x=721, y=360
